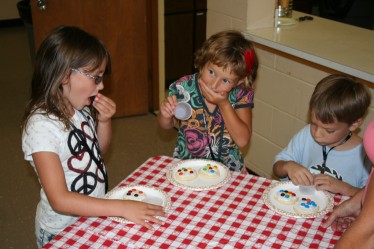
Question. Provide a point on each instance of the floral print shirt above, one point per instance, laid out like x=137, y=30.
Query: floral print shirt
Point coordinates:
x=206, y=129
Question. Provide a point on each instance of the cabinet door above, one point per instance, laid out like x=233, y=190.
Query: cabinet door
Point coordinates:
x=122, y=25
x=200, y=29
x=174, y=6
x=179, y=40
x=185, y=31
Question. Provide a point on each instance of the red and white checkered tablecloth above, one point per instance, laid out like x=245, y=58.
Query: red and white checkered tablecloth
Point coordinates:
x=232, y=216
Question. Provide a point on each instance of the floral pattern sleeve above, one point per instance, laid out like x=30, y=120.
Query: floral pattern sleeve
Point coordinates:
x=240, y=98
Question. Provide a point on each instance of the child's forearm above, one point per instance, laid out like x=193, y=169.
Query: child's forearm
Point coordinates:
x=76, y=204
x=238, y=123
x=165, y=123
x=348, y=190
x=104, y=134
x=279, y=169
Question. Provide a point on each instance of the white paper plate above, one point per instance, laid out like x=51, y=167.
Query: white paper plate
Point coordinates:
x=153, y=196
x=324, y=200
x=199, y=183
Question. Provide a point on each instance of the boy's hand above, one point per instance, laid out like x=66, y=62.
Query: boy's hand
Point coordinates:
x=327, y=183
x=298, y=174
x=331, y=184
x=168, y=105
x=143, y=213
x=105, y=107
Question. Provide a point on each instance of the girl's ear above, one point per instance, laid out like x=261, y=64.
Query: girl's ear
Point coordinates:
x=66, y=79
x=356, y=124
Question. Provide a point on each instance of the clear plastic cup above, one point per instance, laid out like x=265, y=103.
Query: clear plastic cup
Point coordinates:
x=183, y=111
x=284, y=8
x=307, y=190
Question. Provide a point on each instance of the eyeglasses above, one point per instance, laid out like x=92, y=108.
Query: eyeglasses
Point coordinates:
x=98, y=79
x=305, y=18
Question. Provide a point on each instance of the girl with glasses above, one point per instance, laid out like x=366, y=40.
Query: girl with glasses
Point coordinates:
x=66, y=128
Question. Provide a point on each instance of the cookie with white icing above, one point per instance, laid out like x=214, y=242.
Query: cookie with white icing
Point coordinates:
x=306, y=206
x=286, y=197
x=209, y=171
x=185, y=174
x=134, y=194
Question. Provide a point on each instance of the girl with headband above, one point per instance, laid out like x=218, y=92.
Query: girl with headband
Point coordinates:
x=221, y=98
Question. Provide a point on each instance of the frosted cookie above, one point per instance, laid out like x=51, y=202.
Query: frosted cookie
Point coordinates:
x=209, y=172
x=306, y=206
x=285, y=197
x=185, y=174
x=134, y=194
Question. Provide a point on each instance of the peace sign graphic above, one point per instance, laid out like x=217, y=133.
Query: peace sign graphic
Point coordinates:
x=86, y=159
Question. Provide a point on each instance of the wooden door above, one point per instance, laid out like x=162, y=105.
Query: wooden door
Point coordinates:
x=185, y=25
x=125, y=26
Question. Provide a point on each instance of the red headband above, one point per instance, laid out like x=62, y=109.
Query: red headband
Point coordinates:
x=249, y=57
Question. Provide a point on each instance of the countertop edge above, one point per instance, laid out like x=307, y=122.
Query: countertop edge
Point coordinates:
x=309, y=57
x=338, y=46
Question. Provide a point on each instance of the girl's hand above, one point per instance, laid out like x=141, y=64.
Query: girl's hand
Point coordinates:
x=105, y=107
x=142, y=213
x=341, y=223
x=167, y=107
x=342, y=216
x=211, y=96
x=298, y=174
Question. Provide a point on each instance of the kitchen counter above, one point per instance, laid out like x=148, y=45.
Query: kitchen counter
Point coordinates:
x=334, y=45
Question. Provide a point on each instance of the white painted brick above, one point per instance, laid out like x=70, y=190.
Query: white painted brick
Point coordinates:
x=233, y=8
x=306, y=92
x=238, y=24
x=368, y=118
x=217, y=22
x=262, y=118
x=265, y=57
x=282, y=90
x=278, y=90
x=300, y=71
x=260, y=14
x=372, y=96
x=284, y=128
x=261, y=155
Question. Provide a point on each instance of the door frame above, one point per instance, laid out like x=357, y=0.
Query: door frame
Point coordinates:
x=153, y=43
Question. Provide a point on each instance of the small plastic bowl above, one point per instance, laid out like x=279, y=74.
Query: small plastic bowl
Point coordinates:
x=183, y=111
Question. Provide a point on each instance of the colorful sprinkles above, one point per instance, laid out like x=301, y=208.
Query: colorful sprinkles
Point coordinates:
x=287, y=194
x=210, y=169
x=182, y=171
x=134, y=192
x=308, y=203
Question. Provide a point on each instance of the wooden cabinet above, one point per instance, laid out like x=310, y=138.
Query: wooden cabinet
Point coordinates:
x=185, y=31
x=129, y=39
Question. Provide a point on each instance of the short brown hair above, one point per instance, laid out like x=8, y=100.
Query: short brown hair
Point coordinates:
x=226, y=49
x=339, y=97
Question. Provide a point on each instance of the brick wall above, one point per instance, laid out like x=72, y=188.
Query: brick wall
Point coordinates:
x=282, y=89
